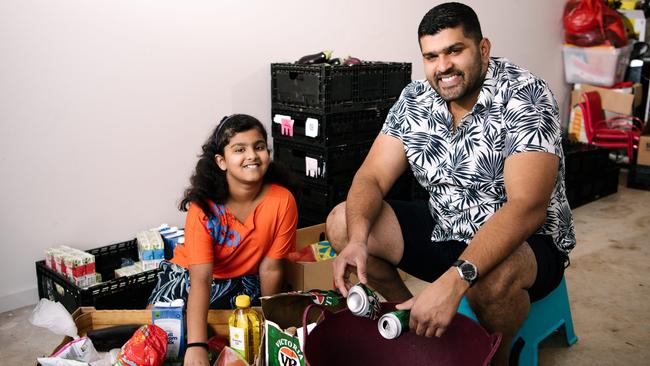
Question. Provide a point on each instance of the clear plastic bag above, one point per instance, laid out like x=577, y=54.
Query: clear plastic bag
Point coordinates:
x=53, y=316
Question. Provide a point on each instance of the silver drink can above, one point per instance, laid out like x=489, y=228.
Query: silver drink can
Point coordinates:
x=392, y=324
x=363, y=302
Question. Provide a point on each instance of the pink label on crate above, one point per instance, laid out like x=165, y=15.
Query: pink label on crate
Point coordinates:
x=90, y=267
x=286, y=127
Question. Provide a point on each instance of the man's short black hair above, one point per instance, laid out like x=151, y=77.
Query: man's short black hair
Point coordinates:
x=451, y=15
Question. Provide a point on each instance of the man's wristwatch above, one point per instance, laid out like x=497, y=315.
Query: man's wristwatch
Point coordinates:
x=467, y=271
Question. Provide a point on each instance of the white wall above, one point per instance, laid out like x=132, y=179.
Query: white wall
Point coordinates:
x=104, y=104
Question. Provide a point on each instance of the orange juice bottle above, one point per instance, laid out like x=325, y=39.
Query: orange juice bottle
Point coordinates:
x=244, y=324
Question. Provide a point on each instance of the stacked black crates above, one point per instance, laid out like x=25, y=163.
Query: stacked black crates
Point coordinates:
x=589, y=173
x=325, y=119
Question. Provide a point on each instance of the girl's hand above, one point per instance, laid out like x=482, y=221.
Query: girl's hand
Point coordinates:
x=196, y=356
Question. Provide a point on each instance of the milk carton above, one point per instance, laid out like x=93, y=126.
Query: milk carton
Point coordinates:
x=169, y=317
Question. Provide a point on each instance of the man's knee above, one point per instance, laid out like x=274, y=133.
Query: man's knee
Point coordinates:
x=336, y=227
x=508, y=279
x=491, y=289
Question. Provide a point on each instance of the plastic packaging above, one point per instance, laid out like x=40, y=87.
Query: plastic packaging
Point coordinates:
x=79, y=352
x=244, y=324
x=147, y=347
x=53, y=316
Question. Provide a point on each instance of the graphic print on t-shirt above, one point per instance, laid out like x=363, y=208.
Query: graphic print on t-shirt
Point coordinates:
x=219, y=229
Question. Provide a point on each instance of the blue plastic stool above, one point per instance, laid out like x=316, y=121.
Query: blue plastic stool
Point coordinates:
x=545, y=316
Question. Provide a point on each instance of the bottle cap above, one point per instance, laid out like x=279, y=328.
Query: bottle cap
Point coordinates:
x=243, y=301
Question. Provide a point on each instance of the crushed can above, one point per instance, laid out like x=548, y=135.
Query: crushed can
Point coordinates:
x=363, y=302
x=392, y=324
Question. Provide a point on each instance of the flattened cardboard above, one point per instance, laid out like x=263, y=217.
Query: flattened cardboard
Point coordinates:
x=613, y=101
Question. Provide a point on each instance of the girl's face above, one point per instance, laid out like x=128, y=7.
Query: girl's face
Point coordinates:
x=246, y=157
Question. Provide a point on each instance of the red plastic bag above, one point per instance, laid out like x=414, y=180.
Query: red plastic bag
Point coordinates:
x=147, y=347
x=592, y=23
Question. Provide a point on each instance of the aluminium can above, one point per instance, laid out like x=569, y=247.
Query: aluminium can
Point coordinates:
x=363, y=302
x=392, y=324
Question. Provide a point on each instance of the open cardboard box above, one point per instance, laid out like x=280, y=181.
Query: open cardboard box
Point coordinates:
x=305, y=276
x=612, y=101
x=88, y=318
x=643, y=154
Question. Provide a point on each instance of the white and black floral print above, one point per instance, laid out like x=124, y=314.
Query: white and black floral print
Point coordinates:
x=462, y=168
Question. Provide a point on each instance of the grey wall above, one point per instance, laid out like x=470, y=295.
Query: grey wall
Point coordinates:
x=104, y=104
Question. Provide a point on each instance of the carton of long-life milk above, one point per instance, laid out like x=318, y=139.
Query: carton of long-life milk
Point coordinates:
x=169, y=317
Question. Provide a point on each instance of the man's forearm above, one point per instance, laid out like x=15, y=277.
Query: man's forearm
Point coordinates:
x=508, y=228
x=363, y=204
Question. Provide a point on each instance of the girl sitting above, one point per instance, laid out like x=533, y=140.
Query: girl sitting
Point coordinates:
x=241, y=222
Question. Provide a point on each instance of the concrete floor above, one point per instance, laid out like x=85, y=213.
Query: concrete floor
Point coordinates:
x=607, y=282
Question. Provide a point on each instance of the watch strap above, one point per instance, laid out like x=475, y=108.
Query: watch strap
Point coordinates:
x=459, y=262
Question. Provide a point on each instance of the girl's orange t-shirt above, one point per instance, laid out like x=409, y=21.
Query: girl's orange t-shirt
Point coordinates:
x=235, y=248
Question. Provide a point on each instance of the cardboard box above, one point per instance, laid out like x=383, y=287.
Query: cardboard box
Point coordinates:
x=612, y=100
x=305, y=276
x=88, y=318
x=643, y=154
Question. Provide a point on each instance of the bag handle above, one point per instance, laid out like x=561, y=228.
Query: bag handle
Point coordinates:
x=495, y=341
x=305, y=315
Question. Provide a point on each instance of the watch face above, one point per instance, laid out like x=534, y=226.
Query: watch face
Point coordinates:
x=469, y=271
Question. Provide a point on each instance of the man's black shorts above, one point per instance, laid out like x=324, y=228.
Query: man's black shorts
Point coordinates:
x=428, y=261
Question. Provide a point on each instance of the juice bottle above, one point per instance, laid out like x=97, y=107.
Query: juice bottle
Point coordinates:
x=244, y=326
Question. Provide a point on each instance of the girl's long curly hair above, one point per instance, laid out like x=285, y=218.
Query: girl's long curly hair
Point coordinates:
x=208, y=183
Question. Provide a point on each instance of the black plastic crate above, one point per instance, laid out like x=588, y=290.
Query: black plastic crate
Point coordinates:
x=319, y=200
x=315, y=201
x=324, y=88
x=638, y=177
x=329, y=129
x=332, y=164
x=309, y=219
x=130, y=292
x=607, y=182
x=582, y=159
x=583, y=189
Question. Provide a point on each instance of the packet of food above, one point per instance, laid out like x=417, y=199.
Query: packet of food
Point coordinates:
x=78, y=352
x=147, y=347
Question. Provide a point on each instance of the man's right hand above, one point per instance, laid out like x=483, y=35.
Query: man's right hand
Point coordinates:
x=351, y=259
x=196, y=356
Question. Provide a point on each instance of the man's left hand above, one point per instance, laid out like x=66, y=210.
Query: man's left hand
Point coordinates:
x=433, y=309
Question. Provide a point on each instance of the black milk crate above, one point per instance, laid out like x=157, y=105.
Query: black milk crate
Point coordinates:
x=330, y=164
x=307, y=218
x=130, y=292
x=328, y=129
x=638, y=177
x=318, y=200
x=583, y=189
x=607, y=182
x=315, y=201
x=323, y=88
x=582, y=159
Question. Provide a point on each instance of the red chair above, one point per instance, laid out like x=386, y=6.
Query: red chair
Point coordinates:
x=620, y=132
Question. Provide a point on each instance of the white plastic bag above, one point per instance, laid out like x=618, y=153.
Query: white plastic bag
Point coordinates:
x=53, y=316
x=79, y=352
